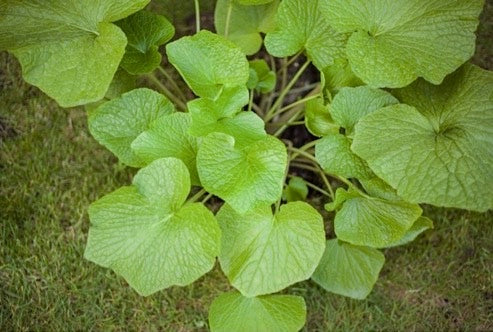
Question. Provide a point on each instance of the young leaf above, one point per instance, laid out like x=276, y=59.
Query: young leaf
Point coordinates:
x=304, y=25
x=145, y=32
x=372, y=222
x=393, y=43
x=348, y=270
x=420, y=225
x=333, y=153
x=263, y=254
x=338, y=75
x=318, y=120
x=296, y=190
x=439, y=150
x=208, y=63
x=69, y=49
x=168, y=136
x=273, y=313
x=351, y=104
x=261, y=77
x=244, y=177
x=245, y=22
x=145, y=233
x=117, y=123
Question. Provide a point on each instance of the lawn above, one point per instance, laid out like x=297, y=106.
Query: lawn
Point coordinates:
x=51, y=169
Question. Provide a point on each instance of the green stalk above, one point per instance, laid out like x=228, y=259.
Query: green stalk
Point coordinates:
x=173, y=83
x=167, y=93
x=196, y=197
x=228, y=18
x=197, y=15
x=283, y=93
x=250, y=103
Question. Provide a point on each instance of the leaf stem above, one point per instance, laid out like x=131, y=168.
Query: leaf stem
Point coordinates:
x=292, y=105
x=173, y=83
x=289, y=62
x=283, y=93
x=197, y=15
x=313, y=186
x=228, y=18
x=196, y=197
x=250, y=102
x=166, y=92
x=206, y=198
x=302, y=153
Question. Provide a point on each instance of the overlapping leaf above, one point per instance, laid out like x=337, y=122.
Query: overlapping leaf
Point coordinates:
x=318, y=120
x=394, y=42
x=244, y=176
x=296, y=190
x=263, y=253
x=439, y=150
x=349, y=270
x=208, y=63
x=420, y=225
x=369, y=221
x=273, y=313
x=304, y=25
x=145, y=32
x=145, y=233
x=69, y=49
x=168, y=137
x=118, y=122
x=245, y=22
x=261, y=77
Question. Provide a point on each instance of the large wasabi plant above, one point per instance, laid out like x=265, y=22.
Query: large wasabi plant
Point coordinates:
x=397, y=119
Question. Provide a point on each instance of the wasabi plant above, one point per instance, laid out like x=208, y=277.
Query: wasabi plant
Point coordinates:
x=398, y=118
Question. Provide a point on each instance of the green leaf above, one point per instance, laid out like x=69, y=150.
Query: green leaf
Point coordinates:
x=263, y=254
x=168, y=136
x=439, y=150
x=253, y=2
x=66, y=48
x=420, y=225
x=351, y=104
x=245, y=22
x=296, y=190
x=317, y=118
x=273, y=313
x=145, y=233
x=261, y=77
x=349, y=270
x=208, y=63
x=338, y=75
x=393, y=43
x=333, y=153
x=244, y=177
x=304, y=25
x=122, y=82
x=117, y=123
x=373, y=222
x=376, y=187
x=145, y=32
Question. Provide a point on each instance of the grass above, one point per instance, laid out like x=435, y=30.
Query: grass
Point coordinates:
x=51, y=169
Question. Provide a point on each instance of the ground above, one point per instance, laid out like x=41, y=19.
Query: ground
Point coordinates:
x=51, y=169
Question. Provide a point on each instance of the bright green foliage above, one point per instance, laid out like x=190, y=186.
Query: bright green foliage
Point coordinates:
x=338, y=75
x=118, y=122
x=263, y=253
x=168, y=137
x=393, y=43
x=420, y=225
x=145, y=233
x=439, y=150
x=244, y=177
x=145, y=32
x=245, y=22
x=261, y=77
x=208, y=63
x=369, y=221
x=122, y=82
x=252, y=2
x=333, y=153
x=318, y=120
x=348, y=270
x=273, y=313
x=68, y=49
x=304, y=25
x=296, y=190
x=376, y=187
x=351, y=104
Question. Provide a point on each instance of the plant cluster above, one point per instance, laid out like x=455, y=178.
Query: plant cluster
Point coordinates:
x=399, y=119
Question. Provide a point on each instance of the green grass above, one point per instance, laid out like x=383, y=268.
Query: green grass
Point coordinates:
x=51, y=169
